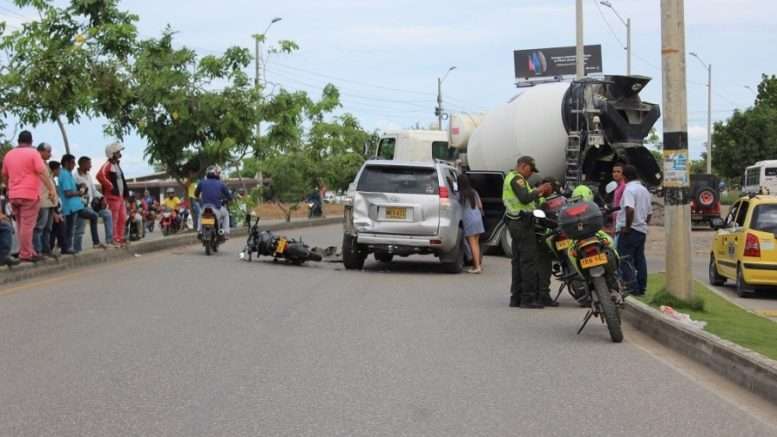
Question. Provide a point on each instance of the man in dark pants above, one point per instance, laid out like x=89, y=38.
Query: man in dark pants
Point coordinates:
x=519, y=199
x=632, y=227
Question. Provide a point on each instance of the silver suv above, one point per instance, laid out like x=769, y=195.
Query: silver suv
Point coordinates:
x=404, y=208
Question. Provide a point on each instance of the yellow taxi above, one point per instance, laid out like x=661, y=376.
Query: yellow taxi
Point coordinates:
x=745, y=247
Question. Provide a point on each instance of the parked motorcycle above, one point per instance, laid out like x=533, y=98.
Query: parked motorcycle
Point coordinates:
x=149, y=219
x=265, y=243
x=211, y=235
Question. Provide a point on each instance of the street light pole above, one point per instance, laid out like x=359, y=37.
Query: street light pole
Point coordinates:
x=679, y=280
x=439, y=110
x=627, y=23
x=709, y=111
x=580, y=47
x=258, y=64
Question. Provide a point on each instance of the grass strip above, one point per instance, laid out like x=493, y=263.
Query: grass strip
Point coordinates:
x=724, y=319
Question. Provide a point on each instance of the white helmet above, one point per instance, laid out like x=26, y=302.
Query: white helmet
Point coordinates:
x=113, y=149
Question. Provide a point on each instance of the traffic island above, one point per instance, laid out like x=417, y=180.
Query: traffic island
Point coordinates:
x=737, y=344
x=94, y=257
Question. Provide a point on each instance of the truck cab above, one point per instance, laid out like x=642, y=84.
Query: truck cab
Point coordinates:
x=415, y=145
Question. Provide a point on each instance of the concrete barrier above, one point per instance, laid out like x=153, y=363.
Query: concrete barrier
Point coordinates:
x=95, y=257
x=746, y=368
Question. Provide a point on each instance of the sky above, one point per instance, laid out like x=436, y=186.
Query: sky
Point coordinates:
x=385, y=55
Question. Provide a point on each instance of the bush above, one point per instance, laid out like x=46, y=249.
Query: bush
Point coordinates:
x=729, y=197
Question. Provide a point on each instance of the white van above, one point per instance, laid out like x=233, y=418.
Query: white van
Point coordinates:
x=415, y=145
x=761, y=178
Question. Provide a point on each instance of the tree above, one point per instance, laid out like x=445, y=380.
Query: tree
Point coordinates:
x=66, y=64
x=767, y=92
x=175, y=106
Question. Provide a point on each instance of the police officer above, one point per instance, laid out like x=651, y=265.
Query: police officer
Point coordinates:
x=520, y=200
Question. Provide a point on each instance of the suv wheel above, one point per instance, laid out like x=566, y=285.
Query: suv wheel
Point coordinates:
x=455, y=260
x=353, y=259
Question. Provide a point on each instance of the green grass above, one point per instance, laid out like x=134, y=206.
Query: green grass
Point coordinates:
x=723, y=318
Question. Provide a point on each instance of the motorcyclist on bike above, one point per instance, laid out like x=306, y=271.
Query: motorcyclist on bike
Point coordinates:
x=212, y=192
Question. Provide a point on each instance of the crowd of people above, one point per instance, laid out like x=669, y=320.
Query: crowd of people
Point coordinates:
x=51, y=202
x=46, y=205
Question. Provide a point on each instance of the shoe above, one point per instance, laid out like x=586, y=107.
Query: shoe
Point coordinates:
x=532, y=305
x=35, y=259
x=11, y=262
x=548, y=302
x=68, y=252
x=475, y=271
x=515, y=302
x=100, y=246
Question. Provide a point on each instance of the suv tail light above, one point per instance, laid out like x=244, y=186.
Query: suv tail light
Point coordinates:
x=443, y=192
x=752, y=246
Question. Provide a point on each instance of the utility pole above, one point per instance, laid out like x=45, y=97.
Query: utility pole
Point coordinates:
x=627, y=23
x=439, y=109
x=580, y=52
x=709, y=110
x=679, y=280
x=258, y=73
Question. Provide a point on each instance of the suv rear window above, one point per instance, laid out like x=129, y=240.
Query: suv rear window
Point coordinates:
x=765, y=218
x=393, y=179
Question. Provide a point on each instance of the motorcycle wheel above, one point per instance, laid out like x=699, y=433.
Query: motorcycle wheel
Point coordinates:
x=608, y=309
x=215, y=246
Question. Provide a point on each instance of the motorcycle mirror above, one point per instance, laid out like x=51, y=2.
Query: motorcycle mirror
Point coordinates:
x=611, y=187
x=540, y=214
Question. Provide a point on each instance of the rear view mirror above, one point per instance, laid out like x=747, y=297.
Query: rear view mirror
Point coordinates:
x=540, y=214
x=716, y=223
x=611, y=187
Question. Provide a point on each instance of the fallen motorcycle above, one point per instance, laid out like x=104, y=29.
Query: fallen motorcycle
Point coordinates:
x=265, y=243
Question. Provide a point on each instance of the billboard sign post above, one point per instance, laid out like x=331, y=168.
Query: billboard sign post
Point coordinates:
x=555, y=62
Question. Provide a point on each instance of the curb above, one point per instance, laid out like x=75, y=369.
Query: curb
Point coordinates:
x=744, y=367
x=95, y=257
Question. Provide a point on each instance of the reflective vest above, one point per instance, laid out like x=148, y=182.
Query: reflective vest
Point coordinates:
x=513, y=206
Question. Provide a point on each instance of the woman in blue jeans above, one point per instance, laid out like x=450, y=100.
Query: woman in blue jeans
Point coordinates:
x=473, y=220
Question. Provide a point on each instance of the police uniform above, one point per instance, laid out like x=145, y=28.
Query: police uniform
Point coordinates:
x=520, y=199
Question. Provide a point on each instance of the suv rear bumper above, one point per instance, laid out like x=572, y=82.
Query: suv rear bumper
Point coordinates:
x=406, y=243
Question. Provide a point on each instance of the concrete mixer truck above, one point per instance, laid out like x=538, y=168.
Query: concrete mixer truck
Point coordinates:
x=575, y=130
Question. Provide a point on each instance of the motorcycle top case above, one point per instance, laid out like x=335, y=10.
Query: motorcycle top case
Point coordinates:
x=581, y=220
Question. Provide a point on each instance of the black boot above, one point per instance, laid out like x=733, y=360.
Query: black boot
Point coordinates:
x=515, y=301
x=547, y=301
x=531, y=302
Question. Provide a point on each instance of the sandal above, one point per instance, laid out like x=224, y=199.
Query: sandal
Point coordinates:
x=475, y=271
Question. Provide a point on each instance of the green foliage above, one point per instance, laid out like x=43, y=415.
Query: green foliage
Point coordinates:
x=663, y=297
x=747, y=136
x=68, y=63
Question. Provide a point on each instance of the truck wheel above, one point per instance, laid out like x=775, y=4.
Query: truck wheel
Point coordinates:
x=456, y=263
x=714, y=276
x=353, y=259
x=506, y=241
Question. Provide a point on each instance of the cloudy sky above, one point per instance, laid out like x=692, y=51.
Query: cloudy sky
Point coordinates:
x=385, y=56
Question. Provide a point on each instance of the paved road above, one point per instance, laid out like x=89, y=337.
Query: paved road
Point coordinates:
x=178, y=344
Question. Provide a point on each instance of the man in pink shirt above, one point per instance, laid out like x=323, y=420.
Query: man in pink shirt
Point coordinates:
x=23, y=173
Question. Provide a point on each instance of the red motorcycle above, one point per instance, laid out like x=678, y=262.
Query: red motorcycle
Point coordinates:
x=169, y=222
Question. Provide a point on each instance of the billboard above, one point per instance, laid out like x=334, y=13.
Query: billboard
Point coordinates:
x=555, y=61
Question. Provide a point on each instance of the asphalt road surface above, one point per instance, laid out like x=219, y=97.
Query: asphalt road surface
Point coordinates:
x=180, y=344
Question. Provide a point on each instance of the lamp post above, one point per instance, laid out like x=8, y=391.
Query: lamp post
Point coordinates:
x=579, y=47
x=709, y=110
x=259, y=39
x=627, y=23
x=439, y=110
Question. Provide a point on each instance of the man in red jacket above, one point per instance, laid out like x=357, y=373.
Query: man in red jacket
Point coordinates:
x=115, y=190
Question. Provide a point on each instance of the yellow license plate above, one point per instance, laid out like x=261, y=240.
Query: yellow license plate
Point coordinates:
x=281, y=247
x=563, y=244
x=396, y=213
x=208, y=221
x=593, y=261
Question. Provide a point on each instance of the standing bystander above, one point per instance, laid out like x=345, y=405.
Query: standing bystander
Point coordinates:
x=23, y=172
x=632, y=227
x=114, y=188
x=42, y=233
x=71, y=201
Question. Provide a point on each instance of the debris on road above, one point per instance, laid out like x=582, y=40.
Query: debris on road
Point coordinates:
x=683, y=318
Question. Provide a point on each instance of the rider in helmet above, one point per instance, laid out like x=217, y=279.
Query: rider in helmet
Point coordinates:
x=214, y=193
x=583, y=193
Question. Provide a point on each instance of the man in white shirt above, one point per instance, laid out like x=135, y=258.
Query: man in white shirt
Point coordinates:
x=632, y=227
x=94, y=206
